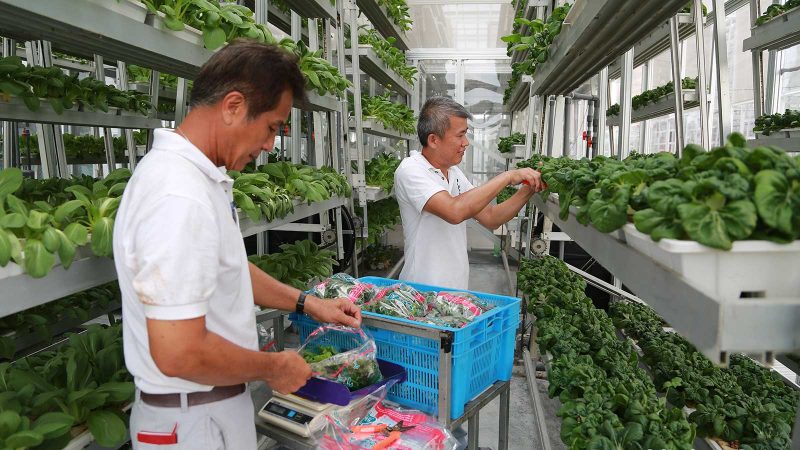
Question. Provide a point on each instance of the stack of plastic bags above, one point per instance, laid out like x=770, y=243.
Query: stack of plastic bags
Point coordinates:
x=355, y=427
x=446, y=309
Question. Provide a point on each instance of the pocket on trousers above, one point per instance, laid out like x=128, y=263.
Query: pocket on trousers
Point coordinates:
x=215, y=435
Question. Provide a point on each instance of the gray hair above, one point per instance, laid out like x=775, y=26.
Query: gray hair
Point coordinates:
x=435, y=117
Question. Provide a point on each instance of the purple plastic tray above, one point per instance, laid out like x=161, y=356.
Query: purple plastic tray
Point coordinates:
x=327, y=391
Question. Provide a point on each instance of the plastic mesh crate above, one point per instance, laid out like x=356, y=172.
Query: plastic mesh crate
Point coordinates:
x=482, y=352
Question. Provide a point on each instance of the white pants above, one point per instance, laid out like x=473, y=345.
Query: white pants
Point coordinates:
x=223, y=425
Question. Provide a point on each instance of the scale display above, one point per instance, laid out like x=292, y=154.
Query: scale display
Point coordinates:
x=287, y=413
x=292, y=413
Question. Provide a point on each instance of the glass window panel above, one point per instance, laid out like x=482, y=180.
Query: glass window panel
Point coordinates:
x=460, y=25
x=660, y=70
x=789, y=97
x=661, y=134
x=484, y=84
x=440, y=78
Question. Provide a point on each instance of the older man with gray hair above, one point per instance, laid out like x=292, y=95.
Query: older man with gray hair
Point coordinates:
x=436, y=198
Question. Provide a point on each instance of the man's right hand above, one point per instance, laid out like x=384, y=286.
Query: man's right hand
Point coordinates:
x=532, y=177
x=288, y=373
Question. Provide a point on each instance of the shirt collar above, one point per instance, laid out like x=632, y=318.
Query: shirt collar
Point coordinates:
x=166, y=139
x=428, y=166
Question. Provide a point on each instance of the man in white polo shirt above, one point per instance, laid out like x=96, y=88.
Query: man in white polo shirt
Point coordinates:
x=436, y=198
x=187, y=288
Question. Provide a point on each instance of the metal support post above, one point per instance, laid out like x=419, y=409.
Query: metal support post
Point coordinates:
x=772, y=96
x=122, y=82
x=315, y=124
x=758, y=69
x=566, y=149
x=531, y=120
x=108, y=140
x=551, y=123
x=505, y=404
x=51, y=143
x=181, y=101
x=339, y=236
x=261, y=12
x=625, y=97
x=296, y=149
x=643, y=126
x=702, y=73
x=602, y=106
x=262, y=243
x=9, y=136
x=675, y=52
x=721, y=52
x=343, y=128
x=590, y=127
x=352, y=19
x=472, y=431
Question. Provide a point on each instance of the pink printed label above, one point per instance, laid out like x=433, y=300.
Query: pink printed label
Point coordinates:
x=397, y=416
x=357, y=290
x=462, y=301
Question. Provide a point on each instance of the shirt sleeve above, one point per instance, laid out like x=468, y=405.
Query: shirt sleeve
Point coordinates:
x=415, y=186
x=176, y=248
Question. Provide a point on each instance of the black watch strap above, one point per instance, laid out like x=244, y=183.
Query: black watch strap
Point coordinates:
x=301, y=303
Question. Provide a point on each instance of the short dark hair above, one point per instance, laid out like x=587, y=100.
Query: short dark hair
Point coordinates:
x=435, y=117
x=261, y=72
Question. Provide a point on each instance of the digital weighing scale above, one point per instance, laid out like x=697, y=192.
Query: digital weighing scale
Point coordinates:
x=293, y=413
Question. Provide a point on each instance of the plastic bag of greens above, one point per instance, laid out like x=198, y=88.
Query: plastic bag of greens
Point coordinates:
x=342, y=354
x=398, y=300
x=366, y=424
x=458, y=306
x=345, y=286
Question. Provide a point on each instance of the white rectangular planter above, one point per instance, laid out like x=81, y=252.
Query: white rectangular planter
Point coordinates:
x=765, y=268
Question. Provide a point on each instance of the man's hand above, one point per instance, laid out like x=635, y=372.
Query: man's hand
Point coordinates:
x=290, y=372
x=532, y=178
x=339, y=311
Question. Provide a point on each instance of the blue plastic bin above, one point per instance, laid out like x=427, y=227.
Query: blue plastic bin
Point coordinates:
x=483, y=351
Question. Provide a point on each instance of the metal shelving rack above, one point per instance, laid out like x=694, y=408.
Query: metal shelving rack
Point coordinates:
x=115, y=30
x=379, y=18
x=788, y=140
x=364, y=59
x=656, y=42
x=662, y=107
x=115, y=118
x=375, y=128
x=301, y=211
x=612, y=25
x=316, y=9
x=777, y=34
x=375, y=68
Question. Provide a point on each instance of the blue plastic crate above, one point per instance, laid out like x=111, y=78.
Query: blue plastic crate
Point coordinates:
x=483, y=351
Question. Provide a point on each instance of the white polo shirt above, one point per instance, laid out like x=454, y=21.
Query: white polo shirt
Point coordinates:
x=179, y=255
x=435, y=250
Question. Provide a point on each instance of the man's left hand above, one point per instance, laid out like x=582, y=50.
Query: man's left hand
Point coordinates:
x=339, y=311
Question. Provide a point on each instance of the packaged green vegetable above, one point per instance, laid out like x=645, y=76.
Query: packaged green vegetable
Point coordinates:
x=398, y=300
x=345, y=286
x=342, y=354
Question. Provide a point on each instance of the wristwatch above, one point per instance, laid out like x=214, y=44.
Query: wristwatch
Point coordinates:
x=301, y=303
